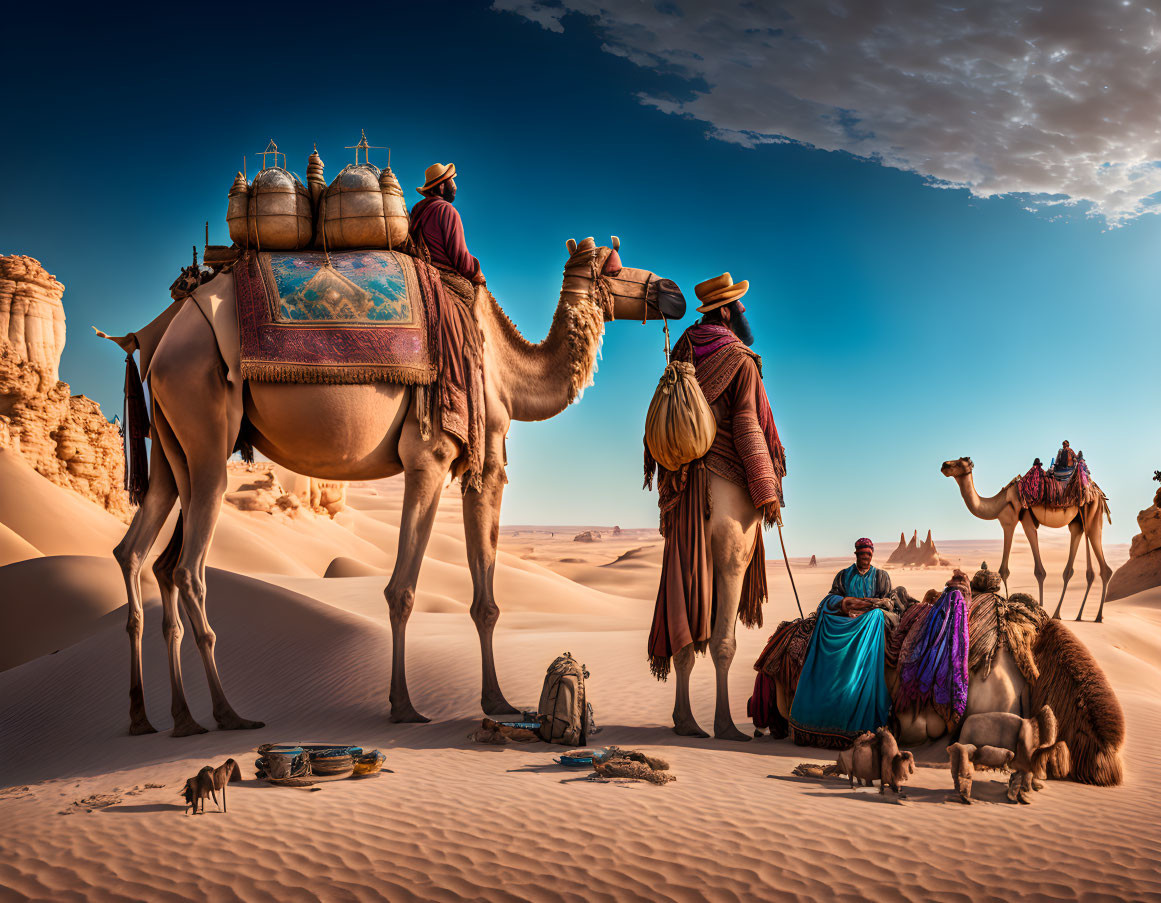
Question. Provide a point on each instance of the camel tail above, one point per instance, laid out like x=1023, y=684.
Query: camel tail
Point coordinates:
x=136, y=428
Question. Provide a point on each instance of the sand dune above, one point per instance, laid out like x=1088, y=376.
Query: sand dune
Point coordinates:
x=455, y=821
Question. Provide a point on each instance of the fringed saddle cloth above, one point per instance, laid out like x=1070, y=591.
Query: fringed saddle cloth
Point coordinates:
x=367, y=316
x=1039, y=487
x=361, y=317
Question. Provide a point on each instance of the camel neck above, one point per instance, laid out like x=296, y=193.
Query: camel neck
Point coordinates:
x=537, y=381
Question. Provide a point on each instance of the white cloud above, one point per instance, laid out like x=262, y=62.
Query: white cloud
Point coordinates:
x=1056, y=101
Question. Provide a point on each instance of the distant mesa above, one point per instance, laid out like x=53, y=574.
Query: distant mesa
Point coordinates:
x=1143, y=569
x=616, y=531
x=917, y=554
x=588, y=536
x=64, y=437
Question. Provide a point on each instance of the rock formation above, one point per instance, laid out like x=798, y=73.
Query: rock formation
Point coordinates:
x=327, y=497
x=1143, y=569
x=813, y=561
x=917, y=554
x=271, y=489
x=64, y=437
x=587, y=536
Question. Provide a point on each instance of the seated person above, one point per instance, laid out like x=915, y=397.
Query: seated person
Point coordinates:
x=842, y=690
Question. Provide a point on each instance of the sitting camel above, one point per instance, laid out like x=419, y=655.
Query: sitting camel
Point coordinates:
x=349, y=432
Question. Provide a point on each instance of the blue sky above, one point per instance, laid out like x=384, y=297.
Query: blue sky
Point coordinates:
x=900, y=323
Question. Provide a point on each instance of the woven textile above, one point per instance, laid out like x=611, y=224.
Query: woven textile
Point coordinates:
x=933, y=663
x=362, y=318
x=994, y=622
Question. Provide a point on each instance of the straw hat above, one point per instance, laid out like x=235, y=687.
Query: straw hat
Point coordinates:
x=436, y=173
x=719, y=291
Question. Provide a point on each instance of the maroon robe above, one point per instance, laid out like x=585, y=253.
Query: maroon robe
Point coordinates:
x=442, y=230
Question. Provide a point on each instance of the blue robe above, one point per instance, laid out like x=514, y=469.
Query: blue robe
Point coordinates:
x=842, y=690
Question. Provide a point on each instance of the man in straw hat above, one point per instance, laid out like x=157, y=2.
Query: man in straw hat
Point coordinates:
x=436, y=224
x=747, y=452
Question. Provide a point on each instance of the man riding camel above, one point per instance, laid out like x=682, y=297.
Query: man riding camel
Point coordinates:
x=436, y=225
x=714, y=546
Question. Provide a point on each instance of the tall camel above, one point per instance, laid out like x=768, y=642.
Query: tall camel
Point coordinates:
x=1006, y=507
x=352, y=432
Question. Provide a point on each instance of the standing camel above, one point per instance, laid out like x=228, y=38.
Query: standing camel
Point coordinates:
x=350, y=432
x=1006, y=507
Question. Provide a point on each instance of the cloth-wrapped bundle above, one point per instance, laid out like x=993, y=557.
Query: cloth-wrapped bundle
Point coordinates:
x=680, y=426
x=272, y=213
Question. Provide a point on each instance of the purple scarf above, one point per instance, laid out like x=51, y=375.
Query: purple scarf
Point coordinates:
x=936, y=670
x=706, y=338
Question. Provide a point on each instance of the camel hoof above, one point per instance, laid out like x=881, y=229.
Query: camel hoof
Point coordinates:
x=966, y=800
x=187, y=729
x=730, y=732
x=689, y=729
x=1078, y=618
x=497, y=706
x=1024, y=799
x=1098, y=619
x=407, y=715
x=137, y=728
x=238, y=723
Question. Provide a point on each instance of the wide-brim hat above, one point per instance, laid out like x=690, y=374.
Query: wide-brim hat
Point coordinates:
x=719, y=291
x=436, y=173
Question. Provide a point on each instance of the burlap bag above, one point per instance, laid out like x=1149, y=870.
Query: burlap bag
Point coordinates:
x=680, y=426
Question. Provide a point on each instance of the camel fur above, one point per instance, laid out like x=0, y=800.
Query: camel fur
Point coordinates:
x=964, y=758
x=1086, y=521
x=1090, y=721
x=895, y=768
x=197, y=788
x=1032, y=742
x=351, y=432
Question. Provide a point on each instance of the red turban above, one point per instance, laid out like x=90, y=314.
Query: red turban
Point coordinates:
x=864, y=543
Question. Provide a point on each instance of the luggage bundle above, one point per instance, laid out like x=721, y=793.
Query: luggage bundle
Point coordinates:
x=362, y=208
x=679, y=426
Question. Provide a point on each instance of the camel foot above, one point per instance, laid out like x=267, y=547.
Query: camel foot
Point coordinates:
x=1098, y=619
x=966, y=800
x=1037, y=784
x=141, y=726
x=688, y=728
x=1024, y=799
x=729, y=732
x=406, y=714
x=1078, y=618
x=495, y=704
x=235, y=722
x=187, y=727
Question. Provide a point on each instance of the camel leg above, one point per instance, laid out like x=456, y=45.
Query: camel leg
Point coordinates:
x=1074, y=536
x=190, y=389
x=733, y=536
x=1094, y=530
x=1089, y=575
x=684, y=723
x=1029, y=525
x=425, y=465
x=1009, y=526
x=184, y=724
x=130, y=554
x=481, y=532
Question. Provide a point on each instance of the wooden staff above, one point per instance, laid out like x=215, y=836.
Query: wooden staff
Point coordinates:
x=786, y=558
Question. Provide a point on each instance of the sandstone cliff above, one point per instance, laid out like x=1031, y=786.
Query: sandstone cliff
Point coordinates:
x=1143, y=569
x=64, y=437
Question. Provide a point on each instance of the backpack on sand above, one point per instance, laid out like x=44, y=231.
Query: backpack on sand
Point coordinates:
x=563, y=709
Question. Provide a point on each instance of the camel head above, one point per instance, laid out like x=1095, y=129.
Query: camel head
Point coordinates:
x=624, y=293
x=960, y=467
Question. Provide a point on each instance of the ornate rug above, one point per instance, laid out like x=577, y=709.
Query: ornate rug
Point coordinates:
x=362, y=318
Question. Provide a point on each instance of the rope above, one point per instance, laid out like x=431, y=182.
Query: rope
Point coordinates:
x=786, y=558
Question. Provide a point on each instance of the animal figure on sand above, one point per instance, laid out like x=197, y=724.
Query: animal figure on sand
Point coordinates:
x=1085, y=521
x=351, y=432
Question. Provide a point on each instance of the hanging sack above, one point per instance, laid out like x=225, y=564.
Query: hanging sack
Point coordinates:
x=680, y=426
x=563, y=710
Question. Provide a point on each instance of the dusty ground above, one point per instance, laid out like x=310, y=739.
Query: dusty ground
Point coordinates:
x=90, y=812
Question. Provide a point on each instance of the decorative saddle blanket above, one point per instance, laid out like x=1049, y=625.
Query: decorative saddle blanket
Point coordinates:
x=362, y=317
x=1070, y=488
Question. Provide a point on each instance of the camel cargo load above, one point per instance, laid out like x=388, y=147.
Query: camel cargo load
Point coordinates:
x=679, y=426
x=273, y=212
x=363, y=208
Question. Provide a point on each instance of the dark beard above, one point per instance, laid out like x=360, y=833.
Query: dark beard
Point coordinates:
x=741, y=327
x=444, y=191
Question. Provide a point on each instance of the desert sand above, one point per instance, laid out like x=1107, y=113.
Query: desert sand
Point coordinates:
x=304, y=644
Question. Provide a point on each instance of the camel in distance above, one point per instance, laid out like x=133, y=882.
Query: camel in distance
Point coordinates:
x=351, y=432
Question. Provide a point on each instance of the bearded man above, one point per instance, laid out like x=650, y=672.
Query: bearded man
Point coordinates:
x=436, y=227
x=746, y=452
x=842, y=690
